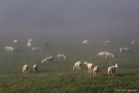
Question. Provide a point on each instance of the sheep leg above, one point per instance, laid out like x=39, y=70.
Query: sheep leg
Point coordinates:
x=79, y=68
x=113, y=75
x=109, y=74
x=89, y=70
x=28, y=70
x=73, y=67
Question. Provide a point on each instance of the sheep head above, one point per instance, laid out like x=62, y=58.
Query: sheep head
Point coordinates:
x=116, y=65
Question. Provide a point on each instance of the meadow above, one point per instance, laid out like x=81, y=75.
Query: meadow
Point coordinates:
x=58, y=76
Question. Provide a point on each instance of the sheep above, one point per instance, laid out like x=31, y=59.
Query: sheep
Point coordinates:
x=95, y=70
x=61, y=56
x=77, y=65
x=25, y=68
x=126, y=49
x=15, y=41
x=84, y=42
x=29, y=44
x=108, y=54
x=101, y=54
x=30, y=40
x=105, y=54
x=111, y=70
x=133, y=42
x=106, y=42
x=51, y=58
x=89, y=66
x=111, y=55
x=35, y=49
x=9, y=49
x=122, y=50
x=35, y=68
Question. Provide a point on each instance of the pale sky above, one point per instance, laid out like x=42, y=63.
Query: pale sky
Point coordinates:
x=43, y=14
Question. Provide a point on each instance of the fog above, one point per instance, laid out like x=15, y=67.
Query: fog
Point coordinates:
x=69, y=15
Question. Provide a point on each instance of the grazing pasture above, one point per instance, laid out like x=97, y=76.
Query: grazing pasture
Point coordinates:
x=58, y=76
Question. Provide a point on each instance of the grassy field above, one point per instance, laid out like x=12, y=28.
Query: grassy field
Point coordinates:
x=58, y=76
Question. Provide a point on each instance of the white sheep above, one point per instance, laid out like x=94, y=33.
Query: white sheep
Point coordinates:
x=35, y=68
x=122, y=50
x=89, y=66
x=9, y=49
x=47, y=59
x=25, y=68
x=106, y=42
x=29, y=44
x=30, y=40
x=111, y=70
x=15, y=41
x=84, y=42
x=35, y=49
x=61, y=56
x=105, y=54
x=108, y=54
x=95, y=70
x=101, y=54
x=133, y=42
x=77, y=65
x=125, y=49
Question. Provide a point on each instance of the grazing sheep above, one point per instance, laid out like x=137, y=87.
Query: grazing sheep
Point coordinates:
x=105, y=54
x=95, y=71
x=77, y=65
x=35, y=68
x=30, y=40
x=35, y=49
x=133, y=42
x=9, y=49
x=111, y=70
x=84, y=42
x=106, y=42
x=29, y=44
x=101, y=54
x=25, y=68
x=51, y=58
x=89, y=66
x=108, y=54
x=61, y=56
x=122, y=50
x=126, y=49
x=15, y=41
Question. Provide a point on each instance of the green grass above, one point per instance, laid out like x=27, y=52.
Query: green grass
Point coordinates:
x=58, y=76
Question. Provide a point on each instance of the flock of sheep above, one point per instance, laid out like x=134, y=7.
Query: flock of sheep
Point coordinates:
x=78, y=64
x=95, y=69
x=47, y=59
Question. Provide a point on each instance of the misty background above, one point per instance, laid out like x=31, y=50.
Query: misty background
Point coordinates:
x=69, y=16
